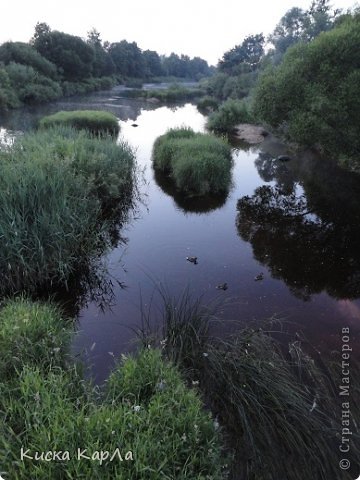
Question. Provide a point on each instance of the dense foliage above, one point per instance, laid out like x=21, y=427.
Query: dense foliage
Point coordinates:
x=55, y=63
x=55, y=189
x=314, y=93
x=145, y=408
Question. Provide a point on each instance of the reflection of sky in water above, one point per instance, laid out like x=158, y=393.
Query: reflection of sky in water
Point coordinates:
x=6, y=137
x=164, y=234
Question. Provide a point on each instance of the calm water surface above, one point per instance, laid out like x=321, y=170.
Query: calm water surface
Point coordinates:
x=298, y=223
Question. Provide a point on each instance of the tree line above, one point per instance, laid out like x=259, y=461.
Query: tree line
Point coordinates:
x=303, y=79
x=55, y=63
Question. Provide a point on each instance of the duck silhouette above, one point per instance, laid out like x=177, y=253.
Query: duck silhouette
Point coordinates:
x=192, y=260
x=222, y=286
x=259, y=277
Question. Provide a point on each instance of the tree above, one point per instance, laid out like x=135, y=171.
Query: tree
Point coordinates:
x=127, y=58
x=290, y=30
x=25, y=54
x=313, y=93
x=153, y=66
x=73, y=57
x=299, y=25
x=103, y=64
x=242, y=57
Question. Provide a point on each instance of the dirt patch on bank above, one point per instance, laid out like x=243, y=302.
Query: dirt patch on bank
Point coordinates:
x=252, y=134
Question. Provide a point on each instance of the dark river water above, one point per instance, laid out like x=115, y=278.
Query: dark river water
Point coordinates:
x=297, y=223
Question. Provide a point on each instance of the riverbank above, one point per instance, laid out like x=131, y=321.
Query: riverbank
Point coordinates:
x=144, y=423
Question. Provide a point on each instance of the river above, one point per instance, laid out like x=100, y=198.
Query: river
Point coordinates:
x=297, y=228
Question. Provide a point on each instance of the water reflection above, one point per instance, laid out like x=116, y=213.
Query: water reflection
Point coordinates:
x=190, y=204
x=305, y=229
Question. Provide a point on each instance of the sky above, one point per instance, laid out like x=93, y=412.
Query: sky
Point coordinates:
x=204, y=28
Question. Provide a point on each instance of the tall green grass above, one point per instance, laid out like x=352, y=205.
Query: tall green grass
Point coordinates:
x=96, y=122
x=198, y=163
x=281, y=414
x=54, y=190
x=144, y=408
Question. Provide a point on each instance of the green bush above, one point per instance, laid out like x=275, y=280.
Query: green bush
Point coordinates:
x=229, y=114
x=207, y=103
x=96, y=122
x=54, y=187
x=144, y=410
x=25, y=54
x=313, y=94
x=31, y=86
x=198, y=163
x=8, y=95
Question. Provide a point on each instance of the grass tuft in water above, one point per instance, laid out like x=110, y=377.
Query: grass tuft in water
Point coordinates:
x=94, y=121
x=198, y=163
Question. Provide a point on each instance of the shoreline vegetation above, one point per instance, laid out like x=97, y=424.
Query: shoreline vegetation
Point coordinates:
x=60, y=190
x=175, y=92
x=160, y=393
x=55, y=64
x=187, y=405
x=303, y=88
x=143, y=423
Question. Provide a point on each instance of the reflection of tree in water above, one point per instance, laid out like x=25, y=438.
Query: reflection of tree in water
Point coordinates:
x=271, y=169
x=191, y=204
x=310, y=241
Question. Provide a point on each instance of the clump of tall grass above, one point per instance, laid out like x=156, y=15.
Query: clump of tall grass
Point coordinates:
x=31, y=334
x=281, y=415
x=228, y=115
x=94, y=121
x=54, y=189
x=198, y=163
x=144, y=410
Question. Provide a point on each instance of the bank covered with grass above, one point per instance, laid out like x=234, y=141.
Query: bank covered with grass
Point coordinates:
x=197, y=163
x=58, y=190
x=280, y=410
x=96, y=122
x=143, y=424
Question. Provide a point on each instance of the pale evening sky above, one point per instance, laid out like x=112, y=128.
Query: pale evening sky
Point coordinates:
x=194, y=27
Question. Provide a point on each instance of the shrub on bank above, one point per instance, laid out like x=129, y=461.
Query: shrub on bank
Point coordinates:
x=54, y=188
x=229, y=114
x=144, y=410
x=198, y=163
x=96, y=122
x=312, y=96
x=207, y=104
